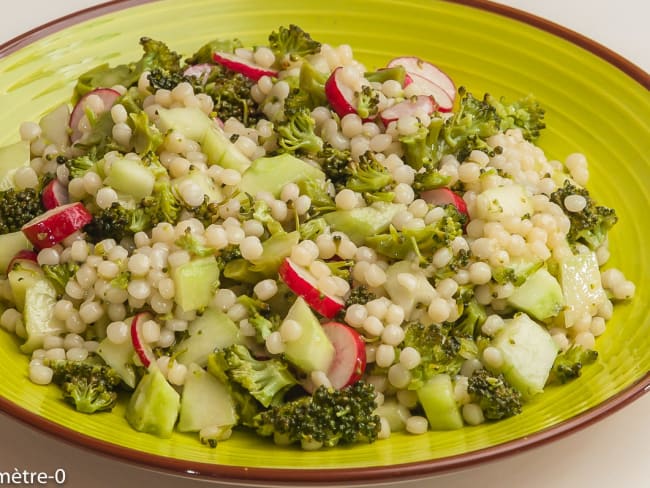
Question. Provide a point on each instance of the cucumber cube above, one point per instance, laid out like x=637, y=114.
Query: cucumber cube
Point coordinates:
x=540, y=296
x=437, y=399
x=195, y=283
x=154, y=405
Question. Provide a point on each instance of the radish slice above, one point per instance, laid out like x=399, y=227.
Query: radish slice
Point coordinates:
x=142, y=349
x=243, y=66
x=416, y=66
x=54, y=194
x=445, y=196
x=407, y=80
x=107, y=95
x=303, y=283
x=350, y=355
x=199, y=71
x=420, y=105
x=56, y=224
x=24, y=257
x=422, y=86
x=339, y=95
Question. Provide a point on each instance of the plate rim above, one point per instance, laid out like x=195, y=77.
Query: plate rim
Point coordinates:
x=406, y=471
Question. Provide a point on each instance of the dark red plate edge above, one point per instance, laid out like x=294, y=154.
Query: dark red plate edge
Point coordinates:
x=351, y=475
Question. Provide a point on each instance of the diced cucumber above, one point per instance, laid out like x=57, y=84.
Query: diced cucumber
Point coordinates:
x=10, y=245
x=395, y=414
x=582, y=286
x=120, y=358
x=270, y=174
x=219, y=150
x=528, y=352
x=202, y=181
x=240, y=270
x=405, y=297
x=131, y=177
x=540, y=296
x=12, y=157
x=274, y=250
x=205, y=402
x=54, y=126
x=358, y=223
x=437, y=399
x=192, y=122
x=38, y=315
x=211, y=330
x=195, y=283
x=496, y=204
x=22, y=278
x=312, y=351
x=154, y=405
x=517, y=270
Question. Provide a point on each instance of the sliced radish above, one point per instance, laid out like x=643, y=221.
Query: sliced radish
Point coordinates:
x=303, y=283
x=407, y=80
x=417, y=66
x=54, y=194
x=199, y=71
x=419, y=105
x=445, y=196
x=142, y=349
x=339, y=95
x=108, y=97
x=423, y=86
x=243, y=66
x=24, y=257
x=350, y=354
x=56, y=224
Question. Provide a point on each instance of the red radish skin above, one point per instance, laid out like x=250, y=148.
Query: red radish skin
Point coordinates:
x=423, y=86
x=416, y=106
x=407, y=80
x=25, y=257
x=144, y=352
x=339, y=95
x=417, y=66
x=303, y=283
x=54, y=194
x=349, y=361
x=108, y=96
x=243, y=66
x=56, y=224
x=445, y=196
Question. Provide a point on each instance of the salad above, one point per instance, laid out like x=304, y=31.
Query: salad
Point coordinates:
x=282, y=240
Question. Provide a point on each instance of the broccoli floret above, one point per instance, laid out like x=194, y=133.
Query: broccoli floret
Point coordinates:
x=17, y=207
x=194, y=245
x=335, y=163
x=113, y=222
x=430, y=179
x=525, y=114
x=79, y=166
x=568, y=364
x=146, y=137
x=326, y=418
x=266, y=380
x=359, y=295
x=60, y=274
x=161, y=78
x=367, y=102
x=311, y=229
x=470, y=321
x=259, y=210
x=260, y=317
x=289, y=44
x=296, y=132
x=207, y=212
x=590, y=225
x=497, y=399
x=341, y=268
x=368, y=175
x=89, y=387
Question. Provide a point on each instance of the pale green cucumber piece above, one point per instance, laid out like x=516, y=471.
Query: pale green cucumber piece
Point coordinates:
x=131, y=177
x=195, y=283
x=406, y=298
x=582, y=286
x=38, y=315
x=395, y=414
x=517, y=270
x=312, y=351
x=12, y=157
x=10, y=245
x=220, y=151
x=240, y=270
x=204, y=182
x=437, y=399
x=358, y=223
x=21, y=279
x=154, y=405
x=271, y=174
x=274, y=250
x=540, y=296
x=192, y=122
x=54, y=126
x=211, y=330
x=499, y=203
x=528, y=352
x=205, y=402
x=120, y=358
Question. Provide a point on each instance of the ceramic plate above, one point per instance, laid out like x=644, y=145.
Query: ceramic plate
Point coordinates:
x=597, y=103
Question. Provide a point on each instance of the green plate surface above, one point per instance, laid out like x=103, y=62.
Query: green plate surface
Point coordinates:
x=593, y=107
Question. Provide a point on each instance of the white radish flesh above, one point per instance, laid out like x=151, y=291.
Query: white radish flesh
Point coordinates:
x=420, y=105
x=54, y=194
x=417, y=66
x=339, y=95
x=423, y=86
x=108, y=97
x=349, y=361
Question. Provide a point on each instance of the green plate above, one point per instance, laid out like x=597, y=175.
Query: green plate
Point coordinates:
x=597, y=102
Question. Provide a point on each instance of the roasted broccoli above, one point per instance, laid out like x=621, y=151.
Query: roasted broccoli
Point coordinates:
x=260, y=317
x=114, y=222
x=296, y=132
x=266, y=380
x=290, y=44
x=368, y=175
x=590, y=225
x=60, y=274
x=162, y=78
x=472, y=317
x=326, y=418
x=89, y=387
x=17, y=207
x=79, y=166
x=335, y=163
x=497, y=399
x=525, y=114
x=568, y=364
x=359, y=295
x=367, y=102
